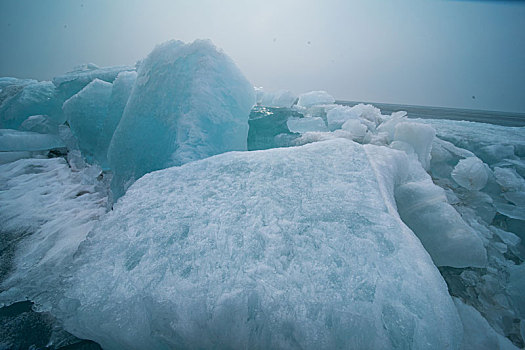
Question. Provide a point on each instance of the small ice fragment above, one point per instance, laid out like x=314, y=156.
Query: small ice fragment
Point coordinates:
x=302, y=125
x=313, y=98
x=470, y=173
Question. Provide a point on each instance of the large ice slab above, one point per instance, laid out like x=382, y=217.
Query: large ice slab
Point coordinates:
x=189, y=102
x=283, y=248
x=86, y=113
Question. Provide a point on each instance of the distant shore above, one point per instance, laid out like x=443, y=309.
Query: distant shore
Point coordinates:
x=491, y=117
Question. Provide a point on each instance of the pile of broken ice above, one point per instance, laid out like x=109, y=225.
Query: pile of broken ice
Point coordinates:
x=362, y=231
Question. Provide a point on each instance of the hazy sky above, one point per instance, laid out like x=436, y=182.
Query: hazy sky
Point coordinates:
x=423, y=52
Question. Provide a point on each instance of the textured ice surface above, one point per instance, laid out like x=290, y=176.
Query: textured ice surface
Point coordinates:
x=86, y=113
x=477, y=333
x=279, y=98
x=14, y=140
x=470, y=173
x=20, y=99
x=313, y=98
x=47, y=210
x=302, y=125
x=72, y=82
x=189, y=101
x=284, y=248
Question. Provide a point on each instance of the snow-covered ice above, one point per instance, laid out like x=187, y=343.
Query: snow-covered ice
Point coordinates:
x=268, y=249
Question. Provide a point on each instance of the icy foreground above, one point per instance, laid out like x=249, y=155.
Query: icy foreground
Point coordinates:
x=306, y=262
x=331, y=241
x=189, y=102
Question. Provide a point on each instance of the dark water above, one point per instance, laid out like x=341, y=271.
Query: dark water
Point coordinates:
x=491, y=117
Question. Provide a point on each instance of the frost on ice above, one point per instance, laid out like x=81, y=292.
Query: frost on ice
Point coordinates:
x=189, y=102
x=210, y=255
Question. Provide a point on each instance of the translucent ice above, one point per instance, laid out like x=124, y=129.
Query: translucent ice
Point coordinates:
x=86, y=113
x=424, y=208
x=368, y=114
x=470, y=173
x=283, y=248
x=280, y=98
x=509, y=180
x=14, y=140
x=313, y=98
x=119, y=97
x=24, y=98
x=356, y=129
x=419, y=136
x=448, y=239
x=490, y=143
x=41, y=124
x=302, y=125
x=72, y=82
x=338, y=115
x=189, y=102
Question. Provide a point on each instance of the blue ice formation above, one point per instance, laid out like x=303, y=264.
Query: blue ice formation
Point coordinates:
x=279, y=98
x=120, y=92
x=86, y=113
x=189, y=102
x=269, y=249
x=22, y=98
x=72, y=82
x=330, y=244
